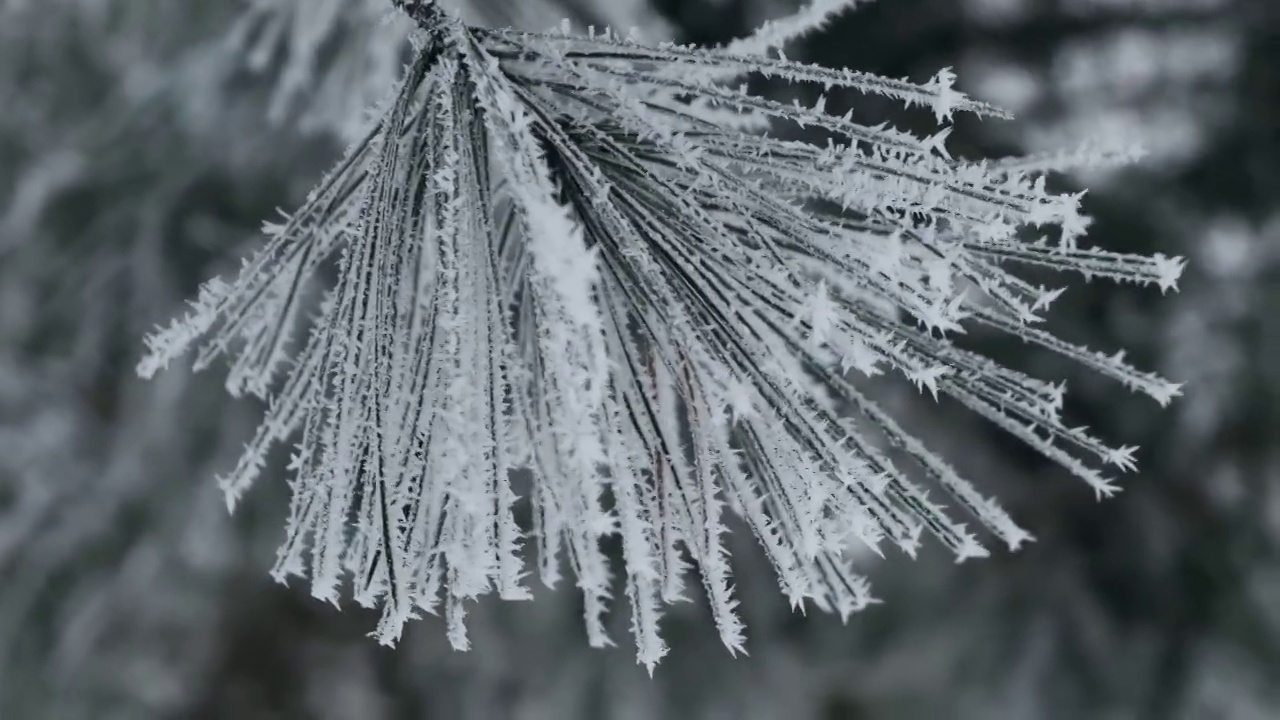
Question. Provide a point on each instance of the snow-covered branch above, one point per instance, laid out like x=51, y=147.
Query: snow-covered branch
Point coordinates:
x=563, y=254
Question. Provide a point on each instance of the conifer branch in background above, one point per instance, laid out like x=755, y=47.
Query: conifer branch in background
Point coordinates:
x=574, y=255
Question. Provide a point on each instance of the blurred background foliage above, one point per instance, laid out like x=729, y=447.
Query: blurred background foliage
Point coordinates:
x=142, y=143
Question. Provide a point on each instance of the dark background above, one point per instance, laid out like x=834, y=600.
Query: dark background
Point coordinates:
x=142, y=142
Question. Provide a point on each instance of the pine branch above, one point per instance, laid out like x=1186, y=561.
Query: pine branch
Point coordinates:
x=565, y=254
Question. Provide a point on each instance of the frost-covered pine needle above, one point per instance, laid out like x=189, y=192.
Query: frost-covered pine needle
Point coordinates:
x=565, y=254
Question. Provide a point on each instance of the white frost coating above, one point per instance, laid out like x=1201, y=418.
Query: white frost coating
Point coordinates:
x=550, y=260
x=776, y=34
